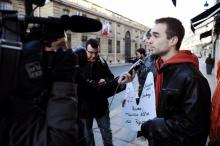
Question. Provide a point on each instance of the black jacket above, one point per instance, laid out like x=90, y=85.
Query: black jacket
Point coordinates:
x=24, y=123
x=183, y=113
x=91, y=104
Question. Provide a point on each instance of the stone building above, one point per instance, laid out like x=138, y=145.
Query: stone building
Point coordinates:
x=210, y=17
x=124, y=37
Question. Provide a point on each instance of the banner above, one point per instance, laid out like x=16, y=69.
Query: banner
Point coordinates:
x=105, y=28
x=135, y=114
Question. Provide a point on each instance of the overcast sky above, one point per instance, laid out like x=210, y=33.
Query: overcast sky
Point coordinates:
x=146, y=11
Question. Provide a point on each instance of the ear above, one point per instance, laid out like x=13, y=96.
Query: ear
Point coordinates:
x=173, y=41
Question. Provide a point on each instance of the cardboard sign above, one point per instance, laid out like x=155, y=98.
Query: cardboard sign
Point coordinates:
x=136, y=114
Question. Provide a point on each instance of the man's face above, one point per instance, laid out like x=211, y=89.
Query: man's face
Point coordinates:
x=92, y=54
x=60, y=42
x=158, y=42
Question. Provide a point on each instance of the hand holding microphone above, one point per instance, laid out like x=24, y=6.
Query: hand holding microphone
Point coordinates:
x=129, y=76
x=126, y=77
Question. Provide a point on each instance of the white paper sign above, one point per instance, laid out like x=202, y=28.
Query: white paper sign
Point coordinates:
x=135, y=115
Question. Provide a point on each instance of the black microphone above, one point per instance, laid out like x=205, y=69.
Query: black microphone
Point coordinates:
x=74, y=23
x=84, y=24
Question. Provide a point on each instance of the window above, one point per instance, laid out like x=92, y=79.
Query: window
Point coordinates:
x=140, y=46
x=109, y=46
x=118, y=46
x=66, y=12
x=84, y=39
x=118, y=25
x=69, y=45
x=78, y=13
x=136, y=46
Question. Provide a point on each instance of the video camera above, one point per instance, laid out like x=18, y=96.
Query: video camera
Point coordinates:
x=23, y=47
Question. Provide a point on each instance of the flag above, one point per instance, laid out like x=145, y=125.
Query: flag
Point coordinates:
x=105, y=28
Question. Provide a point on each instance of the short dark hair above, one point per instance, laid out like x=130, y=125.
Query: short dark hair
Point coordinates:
x=93, y=42
x=141, y=51
x=174, y=28
x=148, y=35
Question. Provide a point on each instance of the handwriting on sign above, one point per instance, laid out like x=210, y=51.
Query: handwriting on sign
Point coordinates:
x=138, y=122
x=148, y=86
x=136, y=108
x=136, y=114
x=147, y=95
x=131, y=114
x=144, y=113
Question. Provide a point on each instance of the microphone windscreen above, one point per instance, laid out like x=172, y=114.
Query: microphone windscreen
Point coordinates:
x=84, y=24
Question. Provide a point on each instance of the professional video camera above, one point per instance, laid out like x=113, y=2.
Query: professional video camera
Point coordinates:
x=22, y=46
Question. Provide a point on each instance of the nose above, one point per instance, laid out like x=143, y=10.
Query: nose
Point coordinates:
x=150, y=40
x=93, y=55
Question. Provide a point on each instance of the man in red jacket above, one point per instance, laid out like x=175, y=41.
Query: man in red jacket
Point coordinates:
x=182, y=93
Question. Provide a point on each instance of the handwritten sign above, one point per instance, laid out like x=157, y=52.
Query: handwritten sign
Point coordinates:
x=136, y=114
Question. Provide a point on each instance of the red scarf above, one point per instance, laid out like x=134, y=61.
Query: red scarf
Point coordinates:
x=159, y=79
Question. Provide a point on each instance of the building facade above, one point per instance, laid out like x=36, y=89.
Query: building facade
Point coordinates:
x=123, y=36
x=209, y=23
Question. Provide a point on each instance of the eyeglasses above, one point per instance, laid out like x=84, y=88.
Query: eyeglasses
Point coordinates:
x=91, y=52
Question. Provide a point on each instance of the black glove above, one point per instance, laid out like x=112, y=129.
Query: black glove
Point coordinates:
x=64, y=66
x=146, y=129
x=156, y=130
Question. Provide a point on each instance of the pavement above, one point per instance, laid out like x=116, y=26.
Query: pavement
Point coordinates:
x=126, y=137
x=211, y=78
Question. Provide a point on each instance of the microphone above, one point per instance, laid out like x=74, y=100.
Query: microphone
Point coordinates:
x=78, y=24
x=81, y=24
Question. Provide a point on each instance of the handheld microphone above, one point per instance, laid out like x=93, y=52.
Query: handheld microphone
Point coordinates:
x=135, y=67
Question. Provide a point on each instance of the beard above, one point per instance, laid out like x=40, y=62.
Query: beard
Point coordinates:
x=160, y=53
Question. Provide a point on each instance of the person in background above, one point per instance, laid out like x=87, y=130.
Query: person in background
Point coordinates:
x=209, y=64
x=146, y=37
x=141, y=53
x=95, y=106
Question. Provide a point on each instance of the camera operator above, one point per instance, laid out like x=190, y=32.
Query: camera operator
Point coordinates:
x=24, y=121
x=43, y=109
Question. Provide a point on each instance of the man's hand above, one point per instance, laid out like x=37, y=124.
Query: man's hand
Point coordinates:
x=101, y=81
x=126, y=78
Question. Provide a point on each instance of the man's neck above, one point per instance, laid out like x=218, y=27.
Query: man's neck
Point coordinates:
x=169, y=55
